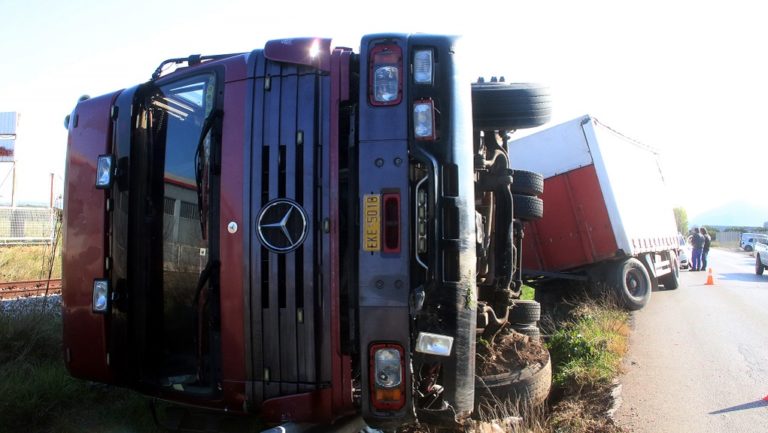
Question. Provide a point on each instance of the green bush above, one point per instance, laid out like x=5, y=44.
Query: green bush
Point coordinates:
x=587, y=349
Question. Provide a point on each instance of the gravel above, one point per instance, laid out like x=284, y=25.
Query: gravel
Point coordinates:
x=51, y=303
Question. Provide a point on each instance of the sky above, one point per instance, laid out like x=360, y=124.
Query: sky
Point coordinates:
x=687, y=78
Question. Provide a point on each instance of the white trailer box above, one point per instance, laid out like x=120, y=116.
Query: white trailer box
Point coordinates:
x=605, y=203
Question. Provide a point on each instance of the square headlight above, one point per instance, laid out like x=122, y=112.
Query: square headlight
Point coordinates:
x=434, y=344
x=100, y=303
x=422, y=66
x=104, y=171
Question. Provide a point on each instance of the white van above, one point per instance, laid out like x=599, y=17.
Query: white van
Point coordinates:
x=748, y=240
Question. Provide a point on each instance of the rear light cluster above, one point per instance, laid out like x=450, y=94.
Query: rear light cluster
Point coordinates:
x=387, y=376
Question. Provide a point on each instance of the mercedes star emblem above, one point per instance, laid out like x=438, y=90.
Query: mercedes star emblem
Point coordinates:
x=282, y=225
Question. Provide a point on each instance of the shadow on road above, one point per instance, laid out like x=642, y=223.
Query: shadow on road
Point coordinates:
x=745, y=406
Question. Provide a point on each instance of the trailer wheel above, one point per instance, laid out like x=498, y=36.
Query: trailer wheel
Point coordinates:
x=759, y=268
x=632, y=284
x=527, y=183
x=524, y=312
x=527, y=208
x=671, y=281
x=510, y=106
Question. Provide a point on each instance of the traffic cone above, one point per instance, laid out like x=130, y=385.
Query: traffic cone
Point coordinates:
x=710, y=279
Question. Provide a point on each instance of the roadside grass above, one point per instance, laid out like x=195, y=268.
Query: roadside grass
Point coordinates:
x=37, y=394
x=587, y=345
x=28, y=262
x=587, y=340
x=588, y=348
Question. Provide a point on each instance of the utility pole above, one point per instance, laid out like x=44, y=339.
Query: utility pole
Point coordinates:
x=51, y=201
x=13, y=184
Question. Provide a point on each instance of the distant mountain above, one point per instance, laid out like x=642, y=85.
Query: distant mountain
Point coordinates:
x=737, y=213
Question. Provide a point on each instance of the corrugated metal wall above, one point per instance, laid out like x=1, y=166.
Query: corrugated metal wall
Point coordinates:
x=8, y=121
x=728, y=238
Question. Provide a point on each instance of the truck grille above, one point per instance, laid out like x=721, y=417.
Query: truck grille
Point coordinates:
x=286, y=279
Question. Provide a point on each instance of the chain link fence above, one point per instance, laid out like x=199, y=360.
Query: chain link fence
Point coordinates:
x=20, y=225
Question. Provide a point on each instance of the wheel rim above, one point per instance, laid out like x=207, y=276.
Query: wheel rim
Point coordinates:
x=635, y=283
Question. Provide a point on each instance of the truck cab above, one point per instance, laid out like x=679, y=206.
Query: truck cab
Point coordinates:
x=298, y=233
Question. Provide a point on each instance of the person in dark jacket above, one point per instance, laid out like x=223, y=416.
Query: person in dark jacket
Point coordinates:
x=705, y=248
x=697, y=244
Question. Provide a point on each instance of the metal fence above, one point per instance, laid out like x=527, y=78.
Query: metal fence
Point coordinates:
x=23, y=225
x=728, y=238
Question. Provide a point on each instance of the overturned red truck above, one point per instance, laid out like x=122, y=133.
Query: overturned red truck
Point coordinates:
x=298, y=233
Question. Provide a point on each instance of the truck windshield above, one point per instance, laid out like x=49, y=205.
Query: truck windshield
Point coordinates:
x=182, y=140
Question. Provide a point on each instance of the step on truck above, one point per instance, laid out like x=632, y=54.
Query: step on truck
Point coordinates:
x=608, y=214
x=298, y=233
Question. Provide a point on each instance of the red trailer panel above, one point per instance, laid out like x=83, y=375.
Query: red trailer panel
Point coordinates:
x=575, y=230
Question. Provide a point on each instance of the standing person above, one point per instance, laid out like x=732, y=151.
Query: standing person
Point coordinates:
x=697, y=244
x=705, y=248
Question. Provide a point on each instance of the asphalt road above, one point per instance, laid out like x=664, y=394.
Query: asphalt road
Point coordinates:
x=698, y=358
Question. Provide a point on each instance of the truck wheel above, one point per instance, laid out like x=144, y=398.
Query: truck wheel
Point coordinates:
x=531, y=330
x=528, y=386
x=510, y=106
x=524, y=312
x=671, y=281
x=632, y=284
x=527, y=183
x=759, y=268
x=527, y=208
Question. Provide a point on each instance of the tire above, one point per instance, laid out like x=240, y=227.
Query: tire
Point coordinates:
x=671, y=281
x=510, y=106
x=759, y=268
x=632, y=284
x=748, y=248
x=524, y=312
x=527, y=208
x=529, y=385
x=526, y=183
x=531, y=330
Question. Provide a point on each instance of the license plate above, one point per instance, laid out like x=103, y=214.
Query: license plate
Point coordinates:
x=371, y=222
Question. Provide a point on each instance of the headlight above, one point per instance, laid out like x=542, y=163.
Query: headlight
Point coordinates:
x=434, y=344
x=387, y=362
x=100, y=303
x=422, y=67
x=424, y=120
x=385, y=83
x=104, y=171
x=386, y=77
